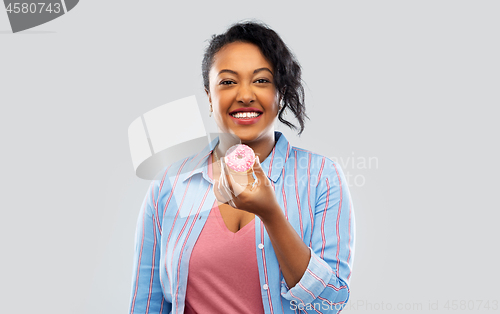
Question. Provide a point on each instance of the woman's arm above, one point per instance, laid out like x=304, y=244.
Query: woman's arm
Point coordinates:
x=325, y=284
x=146, y=294
x=292, y=253
x=320, y=276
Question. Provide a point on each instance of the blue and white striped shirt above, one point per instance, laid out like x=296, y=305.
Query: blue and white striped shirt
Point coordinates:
x=313, y=194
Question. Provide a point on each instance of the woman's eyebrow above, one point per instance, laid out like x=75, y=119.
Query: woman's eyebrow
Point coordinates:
x=263, y=69
x=236, y=73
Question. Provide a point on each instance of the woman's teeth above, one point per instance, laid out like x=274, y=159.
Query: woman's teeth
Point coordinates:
x=246, y=115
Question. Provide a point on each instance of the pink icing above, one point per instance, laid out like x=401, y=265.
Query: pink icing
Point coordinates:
x=240, y=158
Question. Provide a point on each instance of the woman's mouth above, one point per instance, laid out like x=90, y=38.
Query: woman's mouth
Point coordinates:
x=246, y=117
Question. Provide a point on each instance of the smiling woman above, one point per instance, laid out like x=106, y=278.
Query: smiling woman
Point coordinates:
x=288, y=243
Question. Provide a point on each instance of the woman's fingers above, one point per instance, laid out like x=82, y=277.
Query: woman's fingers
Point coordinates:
x=238, y=181
x=221, y=194
x=237, y=189
x=259, y=172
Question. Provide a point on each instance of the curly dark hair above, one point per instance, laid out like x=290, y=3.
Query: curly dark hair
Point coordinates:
x=287, y=76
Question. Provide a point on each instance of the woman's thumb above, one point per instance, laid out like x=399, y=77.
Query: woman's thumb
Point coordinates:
x=257, y=161
x=257, y=167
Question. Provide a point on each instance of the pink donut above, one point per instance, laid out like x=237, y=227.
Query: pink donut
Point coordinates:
x=240, y=158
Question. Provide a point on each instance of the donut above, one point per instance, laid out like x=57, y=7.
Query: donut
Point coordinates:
x=240, y=158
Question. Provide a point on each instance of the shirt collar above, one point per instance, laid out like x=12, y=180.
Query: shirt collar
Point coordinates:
x=276, y=160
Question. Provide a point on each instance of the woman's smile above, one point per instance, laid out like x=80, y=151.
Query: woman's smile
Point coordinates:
x=246, y=115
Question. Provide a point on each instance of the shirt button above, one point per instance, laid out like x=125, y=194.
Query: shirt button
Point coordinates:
x=265, y=286
x=261, y=246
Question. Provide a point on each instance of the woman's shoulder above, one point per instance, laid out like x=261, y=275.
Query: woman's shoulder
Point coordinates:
x=314, y=164
x=314, y=158
x=173, y=172
x=171, y=179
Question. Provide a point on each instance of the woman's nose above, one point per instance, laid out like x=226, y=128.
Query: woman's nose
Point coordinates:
x=246, y=94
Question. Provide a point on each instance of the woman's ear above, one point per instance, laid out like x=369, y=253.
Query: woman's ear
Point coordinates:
x=209, y=97
x=281, y=95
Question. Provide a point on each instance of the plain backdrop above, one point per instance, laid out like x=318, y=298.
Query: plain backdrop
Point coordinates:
x=403, y=94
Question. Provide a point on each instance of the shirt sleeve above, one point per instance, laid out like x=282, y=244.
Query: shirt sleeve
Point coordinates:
x=325, y=283
x=147, y=293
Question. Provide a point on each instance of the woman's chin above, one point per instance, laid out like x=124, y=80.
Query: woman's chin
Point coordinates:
x=250, y=133
x=246, y=135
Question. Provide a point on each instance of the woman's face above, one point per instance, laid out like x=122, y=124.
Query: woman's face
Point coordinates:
x=242, y=92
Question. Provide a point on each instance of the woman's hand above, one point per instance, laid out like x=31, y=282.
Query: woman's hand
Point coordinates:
x=258, y=199
x=292, y=253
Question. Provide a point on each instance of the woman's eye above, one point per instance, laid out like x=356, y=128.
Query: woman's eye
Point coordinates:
x=262, y=81
x=226, y=82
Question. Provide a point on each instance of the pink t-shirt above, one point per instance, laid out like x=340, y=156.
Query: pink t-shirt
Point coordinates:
x=223, y=273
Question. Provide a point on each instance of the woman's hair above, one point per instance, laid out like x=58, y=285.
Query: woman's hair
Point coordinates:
x=287, y=76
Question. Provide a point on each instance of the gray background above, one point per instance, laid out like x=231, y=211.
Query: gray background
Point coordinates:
x=411, y=84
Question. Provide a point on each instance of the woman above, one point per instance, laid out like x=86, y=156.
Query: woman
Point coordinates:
x=288, y=244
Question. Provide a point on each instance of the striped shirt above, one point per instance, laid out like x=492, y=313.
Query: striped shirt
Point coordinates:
x=314, y=196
